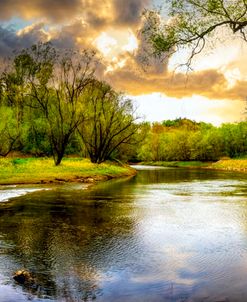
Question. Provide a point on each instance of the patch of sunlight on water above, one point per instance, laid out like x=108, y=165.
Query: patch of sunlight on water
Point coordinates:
x=8, y=193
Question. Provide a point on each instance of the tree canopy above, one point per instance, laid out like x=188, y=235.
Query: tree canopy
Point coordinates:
x=111, y=122
x=186, y=140
x=190, y=22
x=51, y=103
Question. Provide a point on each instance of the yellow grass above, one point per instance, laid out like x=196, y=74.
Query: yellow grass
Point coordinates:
x=231, y=165
x=43, y=170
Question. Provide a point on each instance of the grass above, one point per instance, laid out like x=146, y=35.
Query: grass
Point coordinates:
x=43, y=170
x=231, y=165
x=185, y=164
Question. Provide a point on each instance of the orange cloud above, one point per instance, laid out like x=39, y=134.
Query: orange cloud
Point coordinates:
x=208, y=83
x=55, y=10
x=95, y=13
x=86, y=20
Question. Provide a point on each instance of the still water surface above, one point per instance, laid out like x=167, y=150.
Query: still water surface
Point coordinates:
x=164, y=235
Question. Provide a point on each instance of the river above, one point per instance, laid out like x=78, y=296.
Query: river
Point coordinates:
x=167, y=234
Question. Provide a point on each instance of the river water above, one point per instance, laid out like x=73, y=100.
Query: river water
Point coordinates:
x=164, y=235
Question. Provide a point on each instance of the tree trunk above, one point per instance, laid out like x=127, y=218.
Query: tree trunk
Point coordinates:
x=58, y=158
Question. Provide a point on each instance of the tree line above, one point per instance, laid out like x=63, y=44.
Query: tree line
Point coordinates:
x=52, y=103
x=186, y=140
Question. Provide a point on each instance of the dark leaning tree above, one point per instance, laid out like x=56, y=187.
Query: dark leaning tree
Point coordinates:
x=110, y=122
x=191, y=22
x=55, y=84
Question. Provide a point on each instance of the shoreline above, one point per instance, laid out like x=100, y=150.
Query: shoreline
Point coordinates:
x=19, y=171
x=92, y=179
x=228, y=165
x=176, y=164
x=33, y=171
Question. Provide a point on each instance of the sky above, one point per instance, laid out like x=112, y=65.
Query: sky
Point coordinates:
x=214, y=91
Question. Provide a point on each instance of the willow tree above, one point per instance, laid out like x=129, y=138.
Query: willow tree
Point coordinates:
x=55, y=86
x=110, y=122
x=190, y=22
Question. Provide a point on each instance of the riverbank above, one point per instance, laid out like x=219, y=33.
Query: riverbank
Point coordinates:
x=43, y=170
x=238, y=165
x=177, y=164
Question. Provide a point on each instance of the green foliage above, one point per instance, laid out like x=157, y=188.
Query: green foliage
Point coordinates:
x=110, y=122
x=8, y=130
x=51, y=104
x=185, y=140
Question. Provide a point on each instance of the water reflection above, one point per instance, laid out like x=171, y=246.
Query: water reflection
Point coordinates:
x=164, y=235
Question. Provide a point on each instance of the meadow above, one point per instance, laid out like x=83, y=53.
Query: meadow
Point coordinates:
x=43, y=170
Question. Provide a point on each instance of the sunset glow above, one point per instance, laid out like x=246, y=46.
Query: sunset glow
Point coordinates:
x=112, y=28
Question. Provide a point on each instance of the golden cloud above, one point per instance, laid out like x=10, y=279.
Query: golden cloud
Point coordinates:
x=208, y=83
x=96, y=13
x=55, y=10
x=86, y=20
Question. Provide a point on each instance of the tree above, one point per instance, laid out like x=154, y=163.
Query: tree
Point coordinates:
x=13, y=92
x=56, y=82
x=234, y=143
x=206, y=145
x=192, y=21
x=110, y=122
x=9, y=133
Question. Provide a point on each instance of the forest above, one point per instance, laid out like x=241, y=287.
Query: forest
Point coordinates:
x=186, y=140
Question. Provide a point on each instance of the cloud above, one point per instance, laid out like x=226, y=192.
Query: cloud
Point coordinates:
x=208, y=83
x=55, y=10
x=144, y=73
x=128, y=12
x=67, y=23
x=73, y=36
x=96, y=13
x=10, y=40
x=76, y=24
x=128, y=76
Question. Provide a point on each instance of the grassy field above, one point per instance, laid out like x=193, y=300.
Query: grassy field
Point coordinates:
x=43, y=170
x=185, y=164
